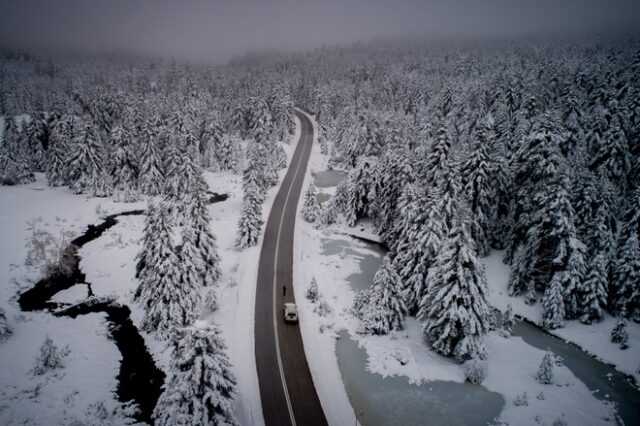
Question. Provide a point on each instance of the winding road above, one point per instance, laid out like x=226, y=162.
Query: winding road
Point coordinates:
x=286, y=387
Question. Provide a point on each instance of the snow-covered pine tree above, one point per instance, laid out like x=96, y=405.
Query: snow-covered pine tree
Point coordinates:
x=553, y=303
x=151, y=245
x=151, y=177
x=34, y=135
x=173, y=156
x=86, y=165
x=418, y=246
x=312, y=291
x=431, y=167
x=192, y=266
x=385, y=309
x=536, y=163
x=449, y=191
x=310, y=206
x=49, y=358
x=254, y=173
x=167, y=292
x=508, y=322
x=205, y=241
x=395, y=173
x=475, y=370
x=479, y=188
x=228, y=153
x=545, y=372
x=209, y=144
x=613, y=154
x=200, y=385
x=625, y=291
x=619, y=334
x=5, y=329
x=15, y=167
x=123, y=165
x=58, y=152
x=250, y=223
x=593, y=299
x=454, y=314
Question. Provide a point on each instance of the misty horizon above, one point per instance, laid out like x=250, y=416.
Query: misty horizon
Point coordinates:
x=216, y=31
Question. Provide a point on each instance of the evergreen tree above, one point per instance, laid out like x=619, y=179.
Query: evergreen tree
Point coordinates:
x=395, y=173
x=151, y=177
x=34, y=138
x=5, y=329
x=384, y=309
x=478, y=188
x=49, y=358
x=545, y=372
x=155, y=224
x=553, y=304
x=508, y=322
x=310, y=206
x=431, y=167
x=454, y=313
x=312, y=291
x=168, y=292
x=594, y=293
x=360, y=190
x=418, y=247
x=619, y=334
x=15, y=167
x=124, y=168
x=58, y=152
x=612, y=156
x=625, y=294
x=250, y=222
x=87, y=175
x=204, y=239
x=200, y=385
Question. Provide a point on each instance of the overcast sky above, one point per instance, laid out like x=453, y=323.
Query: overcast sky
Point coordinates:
x=218, y=29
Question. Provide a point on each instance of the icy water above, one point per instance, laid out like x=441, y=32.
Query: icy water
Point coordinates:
x=385, y=401
x=322, y=197
x=382, y=401
x=328, y=178
x=369, y=257
x=604, y=381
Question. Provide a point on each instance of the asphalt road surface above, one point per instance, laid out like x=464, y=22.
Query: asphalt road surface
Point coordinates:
x=286, y=387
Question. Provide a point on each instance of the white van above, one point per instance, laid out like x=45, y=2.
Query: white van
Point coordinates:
x=290, y=312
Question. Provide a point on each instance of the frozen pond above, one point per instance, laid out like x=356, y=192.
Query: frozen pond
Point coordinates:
x=394, y=401
x=369, y=257
x=328, y=178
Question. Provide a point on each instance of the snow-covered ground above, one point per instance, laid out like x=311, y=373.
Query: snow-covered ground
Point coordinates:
x=512, y=362
x=65, y=395
x=89, y=377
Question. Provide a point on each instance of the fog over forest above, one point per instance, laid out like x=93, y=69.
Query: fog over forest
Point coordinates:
x=215, y=30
